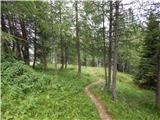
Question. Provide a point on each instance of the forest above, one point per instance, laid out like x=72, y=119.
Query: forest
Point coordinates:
x=80, y=60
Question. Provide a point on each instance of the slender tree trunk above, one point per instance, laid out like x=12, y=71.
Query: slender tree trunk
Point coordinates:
x=18, y=51
x=110, y=46
x=77, y=39
x=85, y=60
x=65, y=62
x=35, y=48
x=62, y=41
x=93, y=61
x=4, y=29
x=10, y=23
x=104, y=48
x=44, y=60
x=55, y=55
x=115, y=51
x=54, y=41
x=158, y=86
x=17, y=43
x=26, y=44
x=66, y=54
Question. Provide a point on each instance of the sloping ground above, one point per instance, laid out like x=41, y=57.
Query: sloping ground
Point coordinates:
x=99, y=105
x=132, y=103
x=27, y=94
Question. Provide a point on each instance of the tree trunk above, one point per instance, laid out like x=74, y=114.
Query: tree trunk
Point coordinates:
x=10, y=23
x=77, y=39
x=5, y=44
x=85, y=61
x=93, y=61
x=110, y=46
x=44, y=60
x=54, y=41
x=55, y=55
x=104, y=48
x=66, y=55
x=62, y=41
x=158, y=85
x=17, y=43
x=26, y=44
x=35, y=48
x=114, y=77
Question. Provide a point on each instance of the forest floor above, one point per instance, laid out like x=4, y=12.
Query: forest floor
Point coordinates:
x=50, y=95
x=132, y=102
x=102, y=110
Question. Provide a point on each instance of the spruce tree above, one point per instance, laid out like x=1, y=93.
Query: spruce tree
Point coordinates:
x=147, y=74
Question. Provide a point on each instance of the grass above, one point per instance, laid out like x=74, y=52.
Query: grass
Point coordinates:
x=132, y=102
x=38, y=95
x=56, y=97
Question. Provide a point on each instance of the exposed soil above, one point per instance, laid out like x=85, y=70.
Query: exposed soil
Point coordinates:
x=102, y=109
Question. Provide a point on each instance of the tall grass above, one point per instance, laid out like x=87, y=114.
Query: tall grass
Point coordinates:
x=50, y=95
x=29, y=94
x=132, y=102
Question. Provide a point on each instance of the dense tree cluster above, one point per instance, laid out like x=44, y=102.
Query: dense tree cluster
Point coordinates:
x=149, y=67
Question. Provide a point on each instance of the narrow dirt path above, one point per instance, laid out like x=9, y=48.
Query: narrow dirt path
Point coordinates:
x=99, y=105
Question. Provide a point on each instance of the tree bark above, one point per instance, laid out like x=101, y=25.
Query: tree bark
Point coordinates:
x=17, y=43
x=26, y=44
x=66, y=54
x=114, y=77
x=93, y=61
x=110, y=46
x=35, y=48
x=10, y=23
x=62, y=41
x=4, y=29
x=104, y=48
x=54, y=38
x=77, y=39
x=85, y=60
x=44, y=59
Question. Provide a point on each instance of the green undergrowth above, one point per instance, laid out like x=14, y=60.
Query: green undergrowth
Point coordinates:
x=29, y=94
x=36, y=95
x=132, y=102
